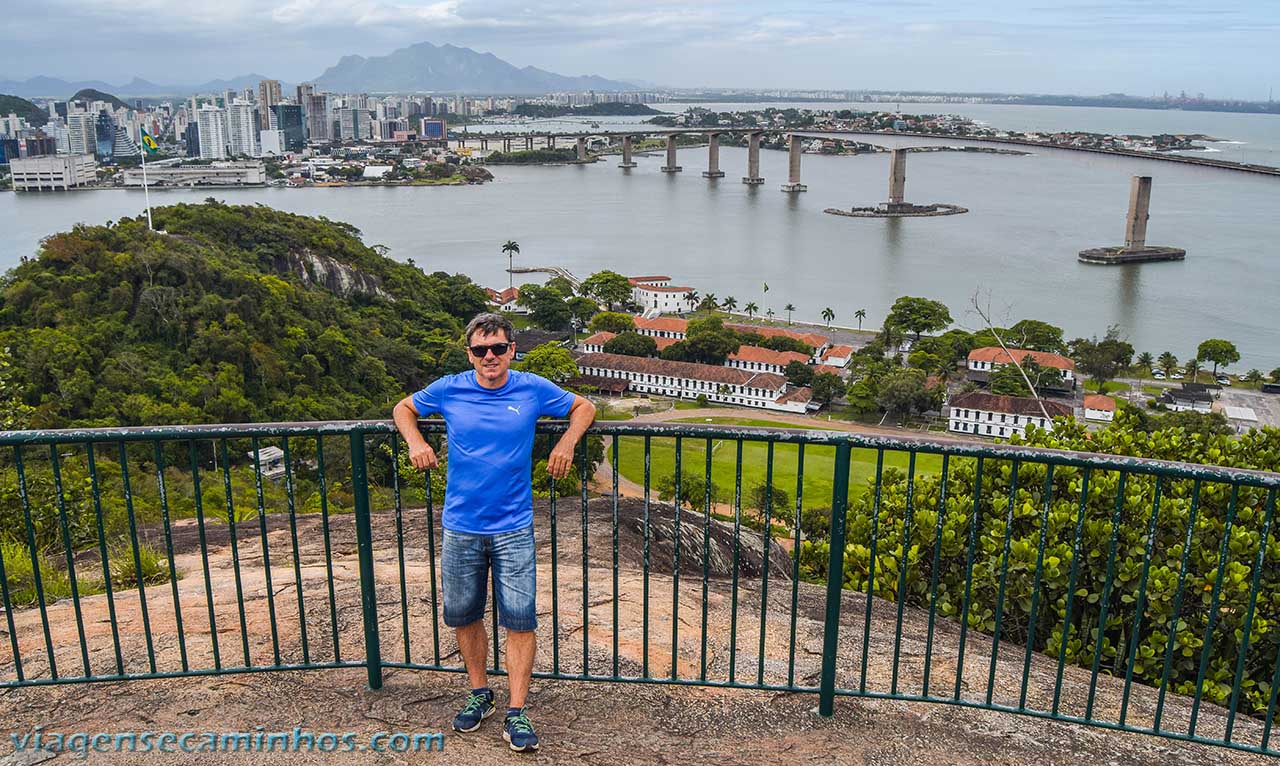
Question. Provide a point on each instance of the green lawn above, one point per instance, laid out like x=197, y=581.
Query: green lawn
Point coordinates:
x=745, y=422
x=1110, y=387
x=681, y=404
x=1155, y=391
x=819, y=465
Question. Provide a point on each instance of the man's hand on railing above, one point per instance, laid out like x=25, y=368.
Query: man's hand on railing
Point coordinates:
x=423, y=457
x=561, y=459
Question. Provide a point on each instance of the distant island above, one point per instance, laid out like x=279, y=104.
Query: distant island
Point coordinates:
x=590, y=110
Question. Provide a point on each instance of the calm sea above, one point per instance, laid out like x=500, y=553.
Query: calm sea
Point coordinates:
x=1015, y=251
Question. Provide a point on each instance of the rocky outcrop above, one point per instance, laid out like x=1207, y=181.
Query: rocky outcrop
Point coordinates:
x=320, y=270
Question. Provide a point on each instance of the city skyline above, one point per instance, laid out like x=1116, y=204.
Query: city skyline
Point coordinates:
x=1143, y=48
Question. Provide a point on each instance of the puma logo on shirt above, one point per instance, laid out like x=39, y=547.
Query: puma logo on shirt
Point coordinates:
x=516, y=410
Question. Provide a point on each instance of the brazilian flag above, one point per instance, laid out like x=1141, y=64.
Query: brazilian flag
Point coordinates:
x=149, y=143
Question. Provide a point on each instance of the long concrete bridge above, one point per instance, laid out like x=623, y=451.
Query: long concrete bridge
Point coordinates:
x=885, y=139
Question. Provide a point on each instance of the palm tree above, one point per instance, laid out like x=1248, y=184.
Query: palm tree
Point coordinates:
x=860, y=315
x=769, y=313
x=729, y=304
x=1168, y=362
x=1145, y=361
x=511, y=248
x=1193, y=367
x=711, y=300
x=788, y=308
x=691, y=298
x=751, y=308
x=828, y=315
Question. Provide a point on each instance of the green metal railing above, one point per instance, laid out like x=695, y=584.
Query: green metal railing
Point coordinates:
x=1030, y=574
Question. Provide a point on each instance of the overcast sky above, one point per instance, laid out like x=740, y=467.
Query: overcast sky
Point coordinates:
x=1225, y=48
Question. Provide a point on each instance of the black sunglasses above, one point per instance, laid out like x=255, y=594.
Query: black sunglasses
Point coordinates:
x=498, y=349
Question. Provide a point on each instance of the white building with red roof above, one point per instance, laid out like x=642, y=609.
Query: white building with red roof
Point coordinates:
x=981, y=414
x=662, y=327
x=506, y=300
x=595, y=344
x=656, y=294
x=838, y=356
x=687, y=380
x=986, y=360
x=757, y=359
x=1100, y=408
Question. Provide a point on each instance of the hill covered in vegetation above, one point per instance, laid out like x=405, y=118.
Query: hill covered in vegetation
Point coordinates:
x=236, y=314
x=33, y=114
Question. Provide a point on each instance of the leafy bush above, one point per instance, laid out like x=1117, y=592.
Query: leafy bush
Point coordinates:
x=125, y=572
x=20, y=577
x=1036, y=503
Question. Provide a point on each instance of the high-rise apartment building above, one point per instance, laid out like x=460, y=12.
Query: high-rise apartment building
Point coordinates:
x=316, y=110
x=191, y=135
x=242, y=129
x=212, y=125
x=287, y=118
x=268, y=96
x=353, y=124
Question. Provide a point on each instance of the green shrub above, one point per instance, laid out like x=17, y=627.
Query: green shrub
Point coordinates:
x=125, y=573
x=1024, y=511
x=20, y=577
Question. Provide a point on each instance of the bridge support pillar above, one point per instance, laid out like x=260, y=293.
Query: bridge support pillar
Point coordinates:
x=793, y=174
x=671, y=166
x=713, y=157
x=506, y=146
x=528, y=143
x=898, y=177
x=484, y=143
x=1135, y=230
x=627, y=162
x=582, y=149
x=752, y=178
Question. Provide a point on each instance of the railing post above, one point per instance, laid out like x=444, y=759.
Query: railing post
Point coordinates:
x=364, y=548
x=835, y=581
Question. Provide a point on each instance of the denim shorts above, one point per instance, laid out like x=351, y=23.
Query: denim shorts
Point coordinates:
x=465, y=561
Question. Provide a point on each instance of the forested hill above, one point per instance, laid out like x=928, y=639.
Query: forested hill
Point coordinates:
x=237, y=314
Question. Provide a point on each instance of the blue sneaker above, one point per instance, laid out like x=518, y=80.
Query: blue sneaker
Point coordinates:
x=518, y=733
x=478, y=708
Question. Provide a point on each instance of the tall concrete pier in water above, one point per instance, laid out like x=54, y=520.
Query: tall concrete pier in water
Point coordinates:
x=793, y=166
x=753, y=177
x=897, y=206
x=713, y=157
x=1135, y=249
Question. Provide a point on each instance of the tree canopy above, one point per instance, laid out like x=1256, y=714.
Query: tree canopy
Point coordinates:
x=631, y=343
x=238, y=313
x=918, y=315
x=607, y=287
x=611, y=321
x=1102, y=359
x=1220, y=352
x=550, y=360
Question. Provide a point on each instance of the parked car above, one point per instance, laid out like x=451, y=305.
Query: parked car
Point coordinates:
x=1157, y=374
x=1223, y=380
x=1176, y=374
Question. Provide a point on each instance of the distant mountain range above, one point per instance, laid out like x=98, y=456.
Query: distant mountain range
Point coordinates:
x=52, y=87
x=418, y=68
x=448, y=68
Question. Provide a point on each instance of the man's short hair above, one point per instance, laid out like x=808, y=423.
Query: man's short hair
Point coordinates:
x=490, y=323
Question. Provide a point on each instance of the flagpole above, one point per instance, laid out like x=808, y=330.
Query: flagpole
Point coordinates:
x=142, y=149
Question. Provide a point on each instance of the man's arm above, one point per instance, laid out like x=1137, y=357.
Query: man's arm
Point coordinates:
x=581, y=415
x=406, y=416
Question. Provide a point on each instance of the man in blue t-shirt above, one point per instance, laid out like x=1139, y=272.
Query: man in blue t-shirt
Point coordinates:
x=489, y=416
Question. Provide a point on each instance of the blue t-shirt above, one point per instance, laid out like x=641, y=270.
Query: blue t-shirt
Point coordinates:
x=490, y=432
